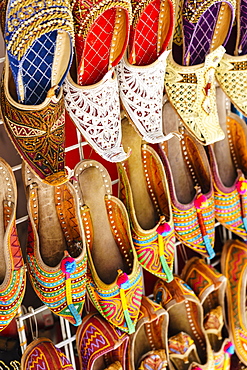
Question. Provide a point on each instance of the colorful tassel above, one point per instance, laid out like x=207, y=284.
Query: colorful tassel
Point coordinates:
x=163, y=229
x=229, y=348
x=123, y=283
x=68, y=267
x=211, y=252
x=201, y=202
x=241, y=185
x=164, y=264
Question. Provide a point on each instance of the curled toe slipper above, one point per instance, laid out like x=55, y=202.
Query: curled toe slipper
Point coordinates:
x=43, y=354
x=12, y=269
x=229, y=173
x=188, y=344
x=111, y=343
x=114, y=284
x=144, y=190
x=190, y=87
x=148, y=345
x=210, y=287
x=233, y=266
x=39, y=52
x=141, y=73
x=56, y=251
x=91, y=96
x=190, y=185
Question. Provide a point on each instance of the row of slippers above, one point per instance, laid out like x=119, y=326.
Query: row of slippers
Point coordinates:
x=32, y=101
x=63, y=223
x=182, y=329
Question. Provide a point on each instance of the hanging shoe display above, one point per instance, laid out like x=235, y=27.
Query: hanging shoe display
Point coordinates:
x=39, y=44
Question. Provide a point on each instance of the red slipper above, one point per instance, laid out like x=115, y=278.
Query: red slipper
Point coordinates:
x=101, y=36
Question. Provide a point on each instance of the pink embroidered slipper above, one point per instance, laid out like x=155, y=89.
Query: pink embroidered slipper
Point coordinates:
x=114, y=280
x=91, y=90
x=111, y=343
x=144, y=190
x=141, y=71
x=12, y=269
x=56, y=250
x=190, y=184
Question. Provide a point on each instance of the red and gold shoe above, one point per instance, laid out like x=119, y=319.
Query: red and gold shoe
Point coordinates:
x=42, y=354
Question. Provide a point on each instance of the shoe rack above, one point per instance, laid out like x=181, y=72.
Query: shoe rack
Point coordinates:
x=76, y=149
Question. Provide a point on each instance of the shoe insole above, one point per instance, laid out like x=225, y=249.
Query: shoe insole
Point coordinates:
x=105, y=252
x=43, y=66
x=183, y=183
x=207, y=34
x=146, y=213
x=224, y=161
x=51, y=237
x=148, y=37
x=102, y=47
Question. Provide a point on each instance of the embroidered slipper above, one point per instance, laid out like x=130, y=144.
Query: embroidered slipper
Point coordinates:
x=144, y=190
x=233, y=266
x=12, y=269
x=39, y=51
x=191, y=189
x=229, y=172
x=91, y=96
x=191, y=87
x=43, y=354
x=148, y=345
x=187, y=341
x=231, y=72
x=111, y=344
x=39, y=46
x=141, y=73
x=56, y=251
x=114, y=284
x=210, y=287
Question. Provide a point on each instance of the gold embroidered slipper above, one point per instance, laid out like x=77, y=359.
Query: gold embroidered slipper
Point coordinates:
x=144, y=190
x=229, y=171
x=12, y=269
x=188, y=340
x=210, y=287
x=190, y=85
x=233, y=266
x=114, y=280
x=231, y=71
x=147, y=348
x=190, y=185
x=39, y=44
x=56, y=250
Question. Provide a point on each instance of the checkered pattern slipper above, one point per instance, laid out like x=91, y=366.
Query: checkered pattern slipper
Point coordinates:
x=92, y=99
